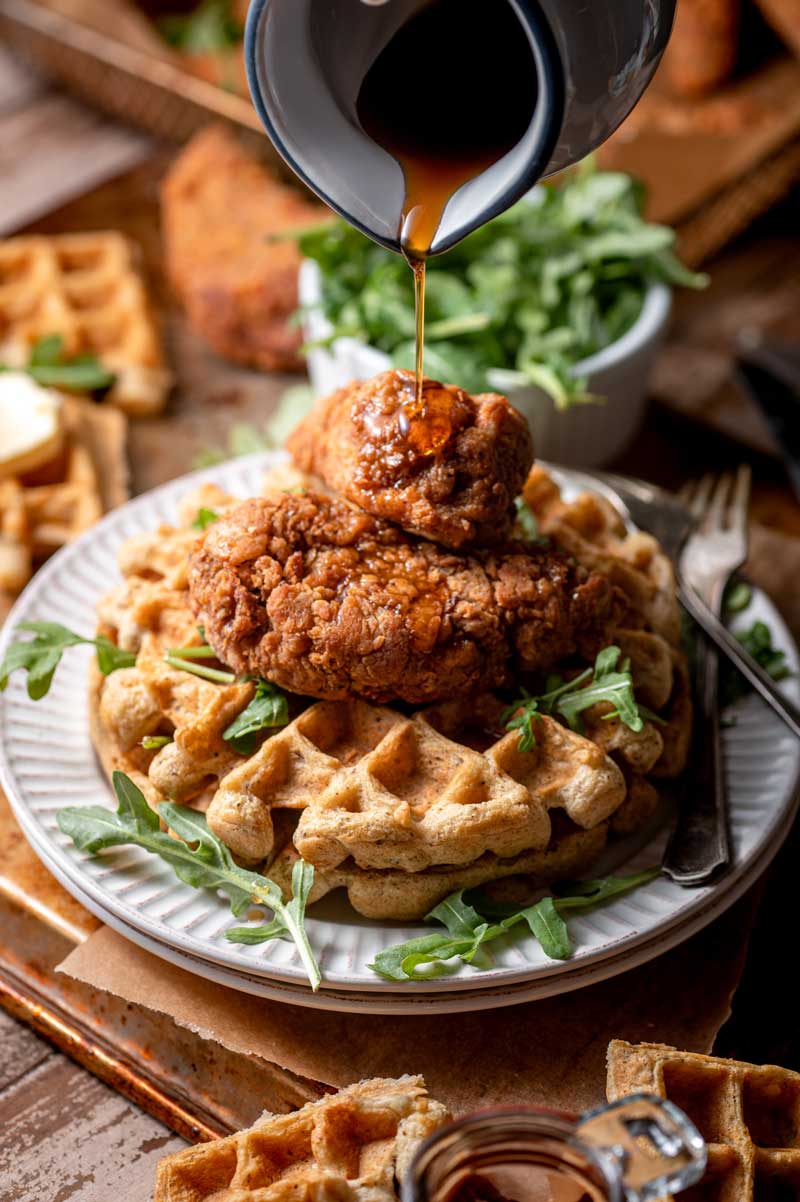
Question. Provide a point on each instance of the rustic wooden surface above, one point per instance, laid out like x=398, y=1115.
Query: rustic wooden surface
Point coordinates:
x=63, y=1135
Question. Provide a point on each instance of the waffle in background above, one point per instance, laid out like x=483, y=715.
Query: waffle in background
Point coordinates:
x=45, y=509
x=749, y=1115
x=86, y=288
x=354, y=1146
x=218, y=207
x=398, y=810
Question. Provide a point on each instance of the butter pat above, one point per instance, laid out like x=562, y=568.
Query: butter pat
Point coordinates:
x=31, y=424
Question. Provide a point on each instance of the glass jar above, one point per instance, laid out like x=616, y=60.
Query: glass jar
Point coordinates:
x=636, y=1150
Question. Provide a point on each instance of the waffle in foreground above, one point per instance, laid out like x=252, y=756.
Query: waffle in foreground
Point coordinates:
x=87, y=289
x=353, y=1146
x=748, y=1114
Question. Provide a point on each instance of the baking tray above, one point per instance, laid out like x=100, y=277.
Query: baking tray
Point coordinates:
x=193, y=1085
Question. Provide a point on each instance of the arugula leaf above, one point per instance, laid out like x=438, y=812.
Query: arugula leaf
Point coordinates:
x=205, y=518
x=519, y=715
x=568, y=699
x=46, y=351
x=183, y=658
x=197, y=857
x=49, y=366
x=468, y=929
x=269, y=708
x=399, y=963
x=526, y=297
x=757, y=640
x=210, y=28
x=547, y=925
x=41, y=655
x=288, y=922
x=527, y=521
x=738, y=595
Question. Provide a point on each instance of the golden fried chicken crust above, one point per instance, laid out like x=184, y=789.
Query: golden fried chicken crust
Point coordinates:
x=218, y=207
x=328, y=601
x=450, y=475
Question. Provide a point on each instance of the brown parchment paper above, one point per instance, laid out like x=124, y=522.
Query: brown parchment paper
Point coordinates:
x=550, y=1052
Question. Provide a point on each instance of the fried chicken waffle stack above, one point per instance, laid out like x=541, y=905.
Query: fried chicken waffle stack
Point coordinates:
x=353, y=1146
x=84, y=287
x=748, y=1114
x=399, y=809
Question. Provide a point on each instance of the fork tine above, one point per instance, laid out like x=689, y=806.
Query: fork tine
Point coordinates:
x=715, y=516
x=740, y=499
x=699, y=495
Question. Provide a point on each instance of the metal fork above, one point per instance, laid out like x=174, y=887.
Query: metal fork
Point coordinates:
x=669, y=520
x=699, y=846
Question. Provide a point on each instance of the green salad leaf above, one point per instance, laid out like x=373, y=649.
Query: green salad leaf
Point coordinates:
x=269, y=708
x=51, y=367
x=205, y=518
x=197, y=857
x=209, y=28
x=568, y=699
x=520, y=301
x=41, y=655
x=757, y=640
x=473, y=920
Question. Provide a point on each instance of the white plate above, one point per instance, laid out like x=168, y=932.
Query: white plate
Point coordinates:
x=46, y=762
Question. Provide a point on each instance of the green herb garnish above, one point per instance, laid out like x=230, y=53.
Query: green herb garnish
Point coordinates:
x=208, y=29
x=205, y=518
x=179, y=658
x=154, y=742
x=269, y=708
x=521, y=301
x=738, y=595
x=197, y=857
x=468, y=919
x=52, y=368
x=757, y=640
x=568, y=699
x=246, y=439
x=526, y=519
x=41, y=655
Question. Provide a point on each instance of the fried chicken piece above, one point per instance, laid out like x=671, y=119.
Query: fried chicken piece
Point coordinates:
x=218, y=205
x=327, y=601
x=450, y=475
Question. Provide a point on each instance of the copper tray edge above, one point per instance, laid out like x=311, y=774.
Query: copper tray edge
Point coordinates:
x=64, y=1033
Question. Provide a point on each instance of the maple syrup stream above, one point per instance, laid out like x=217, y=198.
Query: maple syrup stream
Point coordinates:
x=446, y=108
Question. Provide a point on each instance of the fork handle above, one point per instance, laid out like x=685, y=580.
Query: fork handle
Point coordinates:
x=733, y=649
x=698, y=847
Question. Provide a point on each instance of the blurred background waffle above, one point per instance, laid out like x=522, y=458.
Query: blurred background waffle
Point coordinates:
x=86, y=290
x=716, y=139
x=47, y=507
x=399, y=809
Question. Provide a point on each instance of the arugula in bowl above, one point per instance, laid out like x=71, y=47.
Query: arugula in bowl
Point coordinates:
x=522, y=301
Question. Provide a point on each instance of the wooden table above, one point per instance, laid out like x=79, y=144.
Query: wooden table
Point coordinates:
x=63, y=1135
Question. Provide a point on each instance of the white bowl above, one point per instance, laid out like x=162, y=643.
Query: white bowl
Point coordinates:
x=587, y=435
